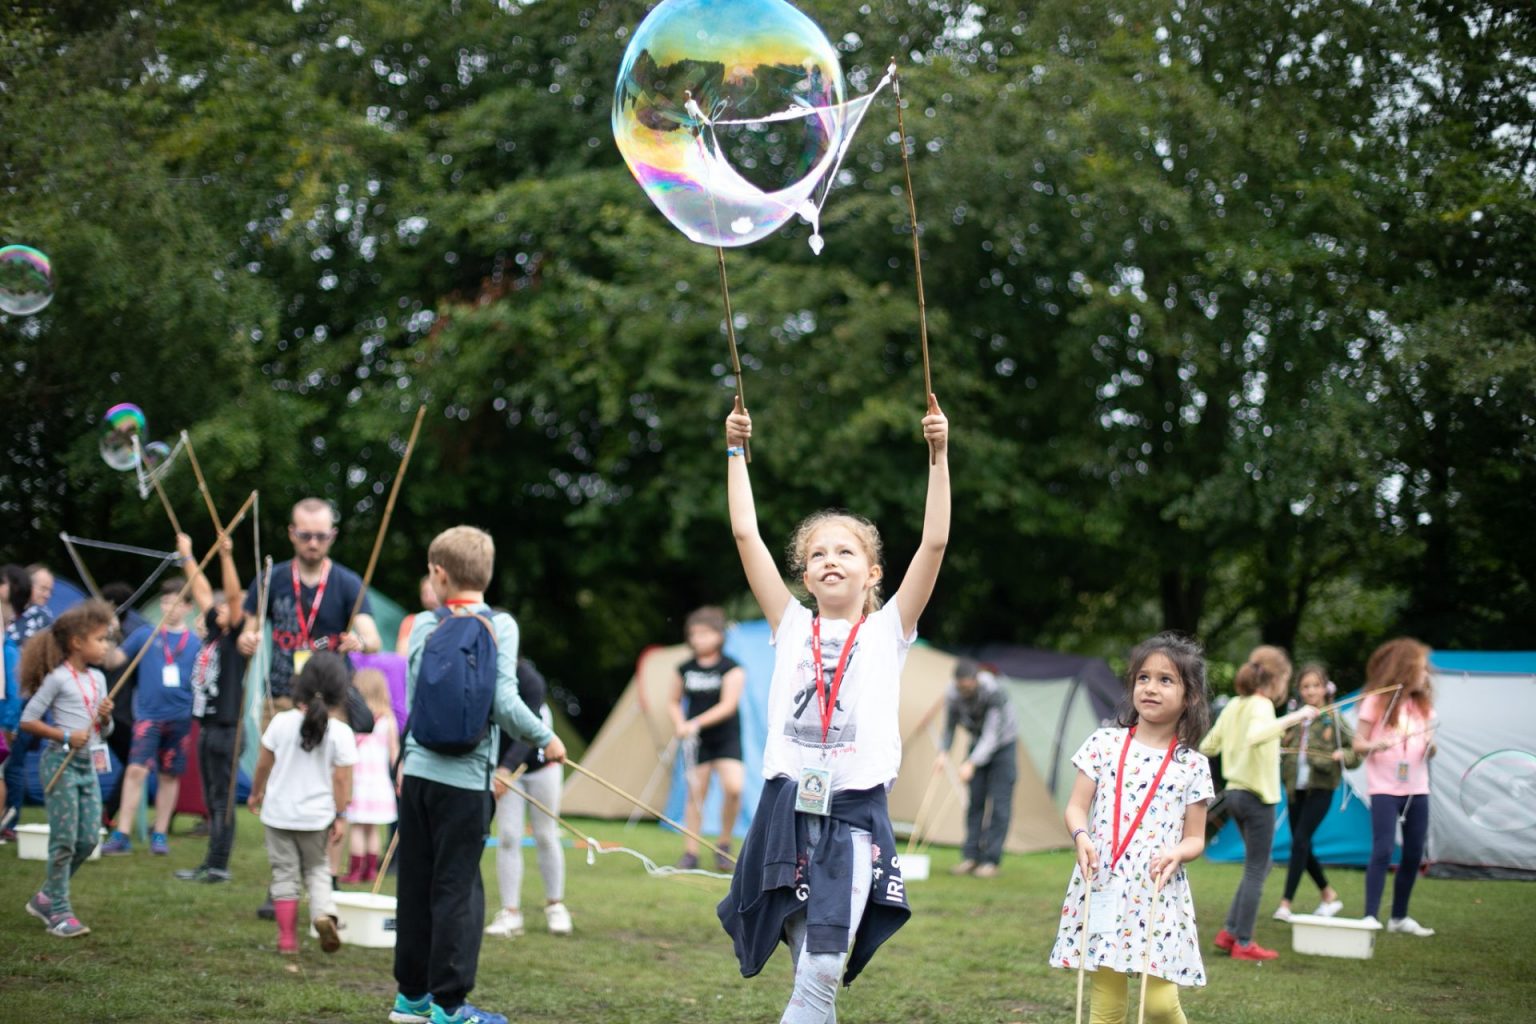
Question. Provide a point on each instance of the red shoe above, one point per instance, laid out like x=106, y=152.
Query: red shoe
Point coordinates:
x=1225, y=940
x=1253, y=951
x=356, y=870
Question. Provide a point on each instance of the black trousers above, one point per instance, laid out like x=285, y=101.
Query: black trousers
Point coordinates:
x=440, y=908
x=215, y=754
x=1308, y=808
x=991, y=806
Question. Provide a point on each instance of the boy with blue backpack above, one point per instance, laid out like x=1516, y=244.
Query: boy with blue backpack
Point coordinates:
x=462, y=689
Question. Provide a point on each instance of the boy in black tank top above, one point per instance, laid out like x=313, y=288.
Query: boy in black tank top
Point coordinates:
x=708, y=730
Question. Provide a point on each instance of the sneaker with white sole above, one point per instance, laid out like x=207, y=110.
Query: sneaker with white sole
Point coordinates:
x=506, y=924
x=411, y=1011
x=558, y=918
x=1282, y=914
x=41, y=907
x=67, y=926
x=1408, y=926
x=1329, y=908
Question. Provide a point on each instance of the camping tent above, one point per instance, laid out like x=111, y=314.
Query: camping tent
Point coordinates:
x=633, y=749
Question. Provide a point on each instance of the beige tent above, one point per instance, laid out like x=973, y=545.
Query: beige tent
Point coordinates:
x=633, y=749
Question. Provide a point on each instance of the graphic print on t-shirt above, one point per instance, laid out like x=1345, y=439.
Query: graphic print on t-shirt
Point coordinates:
x=804, y=725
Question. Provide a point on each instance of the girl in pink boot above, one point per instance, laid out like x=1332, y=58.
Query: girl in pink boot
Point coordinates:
x=306, y=762
x=373, y=789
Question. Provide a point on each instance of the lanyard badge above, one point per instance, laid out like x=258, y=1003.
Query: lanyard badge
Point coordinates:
x=813, y=792
x=306, y=644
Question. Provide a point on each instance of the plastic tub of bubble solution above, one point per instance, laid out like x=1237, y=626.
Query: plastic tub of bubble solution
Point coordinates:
x=915, y=866
x=1352, y=938
x=32, y=843
x=366, y=920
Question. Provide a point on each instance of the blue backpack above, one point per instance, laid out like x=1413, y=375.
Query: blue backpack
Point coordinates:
x=455, y=684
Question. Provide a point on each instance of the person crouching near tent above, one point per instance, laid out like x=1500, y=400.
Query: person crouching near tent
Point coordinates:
x=711, y=684
x=1397, y=735
x=819, y=866
x=1247, y=736
x=1314, y=756
x=1137, y=816
x=58, y=670
x=306, y=761
x=976, y=701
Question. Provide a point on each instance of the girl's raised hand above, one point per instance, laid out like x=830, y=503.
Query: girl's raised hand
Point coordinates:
x=738, y=426
x=1165, y=864
x=935, y=426
x=1087, y=857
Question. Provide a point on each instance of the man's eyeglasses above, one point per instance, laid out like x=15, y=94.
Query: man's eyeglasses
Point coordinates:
x=313, y=536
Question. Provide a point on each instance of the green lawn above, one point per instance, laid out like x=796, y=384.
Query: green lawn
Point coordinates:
x=649, y=950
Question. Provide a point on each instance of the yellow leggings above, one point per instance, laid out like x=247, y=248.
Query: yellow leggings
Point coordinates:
x=1109, y=999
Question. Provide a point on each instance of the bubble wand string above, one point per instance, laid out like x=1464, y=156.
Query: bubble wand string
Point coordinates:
x=154, y=480
x=389, y=509
x=159, y=631
x=917, y=252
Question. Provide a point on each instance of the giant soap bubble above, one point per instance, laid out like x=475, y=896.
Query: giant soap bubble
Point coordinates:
x=122, y=424
x=731, y=115
x=1499, y=791
x=26, y=280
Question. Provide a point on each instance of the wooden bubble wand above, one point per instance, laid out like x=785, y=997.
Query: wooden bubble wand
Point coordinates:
x=389, y=510
x=650, y=810
x=159, y=630
x=917, y=253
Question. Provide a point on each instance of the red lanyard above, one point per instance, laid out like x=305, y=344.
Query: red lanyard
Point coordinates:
x=93, y=699
x=1116, y=848
x=170, y=659
x=830, y=702
x=314, y=609
x=461, y=602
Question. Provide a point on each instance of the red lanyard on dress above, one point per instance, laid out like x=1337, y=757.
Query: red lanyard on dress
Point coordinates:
x=93, y=699
x=830, y=702
x=314, y=609
x=1116, y=848
x=170, y=659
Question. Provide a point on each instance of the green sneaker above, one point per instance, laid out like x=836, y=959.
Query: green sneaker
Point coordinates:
x=411, y=1011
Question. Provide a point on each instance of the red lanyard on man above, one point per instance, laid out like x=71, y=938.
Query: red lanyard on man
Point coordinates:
x=829, y=701
x=170, y=658
x=314, y=609
x=91, y=701
x=1116, y=847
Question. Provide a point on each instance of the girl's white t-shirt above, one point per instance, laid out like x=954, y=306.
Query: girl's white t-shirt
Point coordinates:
x=863, y=742
x=300, y=794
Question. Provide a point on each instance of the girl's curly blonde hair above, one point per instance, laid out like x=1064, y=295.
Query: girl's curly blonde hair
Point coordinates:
x=867, y=534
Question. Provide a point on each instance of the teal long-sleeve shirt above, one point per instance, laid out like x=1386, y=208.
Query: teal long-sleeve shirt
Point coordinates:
x=473, y=770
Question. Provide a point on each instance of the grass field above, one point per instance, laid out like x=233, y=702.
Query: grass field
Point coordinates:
x=650, y=950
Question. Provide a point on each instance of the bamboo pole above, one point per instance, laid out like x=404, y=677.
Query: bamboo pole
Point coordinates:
x=389, y=509
x=650, y=810
x=503, y=776
x=1146, y=956
x=202, y=484
x=730, y=337
x=1082, y=959
x=160, y=629
x=1359, y=696
x=922, y=808
x=917, y=252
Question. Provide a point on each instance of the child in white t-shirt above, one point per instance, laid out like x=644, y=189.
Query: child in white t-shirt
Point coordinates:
x=306, y=761
x=834, y=742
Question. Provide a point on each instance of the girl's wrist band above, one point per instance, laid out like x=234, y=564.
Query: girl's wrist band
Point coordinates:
x=1078, y=832
x=732, y=451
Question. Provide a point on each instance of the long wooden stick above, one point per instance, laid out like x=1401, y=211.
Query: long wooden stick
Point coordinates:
x=1358, y=696
x=503, y=776
x=730, y=337
x=160, y=629
x=917, y=251
x=1146, y=959
x=1082, y=959
x=922, y=808
x=202, y=484
x=389, y=854
x=389, y=510
x=650, y=810
x=165, y=503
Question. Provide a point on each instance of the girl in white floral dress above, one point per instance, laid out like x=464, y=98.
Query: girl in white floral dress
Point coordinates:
x=1137, y=815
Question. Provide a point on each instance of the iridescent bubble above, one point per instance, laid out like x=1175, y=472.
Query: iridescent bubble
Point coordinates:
x=730, y=114
x=121, y=424
x=1499, y=791
x=155, y=453
x=26, y=280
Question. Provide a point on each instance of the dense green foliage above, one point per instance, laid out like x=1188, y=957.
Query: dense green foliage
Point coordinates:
x=1231, y=306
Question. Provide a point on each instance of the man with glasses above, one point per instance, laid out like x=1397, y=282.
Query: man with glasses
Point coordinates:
x=309, y=601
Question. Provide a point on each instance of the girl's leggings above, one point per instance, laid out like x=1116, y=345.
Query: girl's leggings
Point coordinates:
x=1308, y=808
x=74, y=818
x=1385, y=810
x=544, y=786
x=1109, y=999
x=818, y=975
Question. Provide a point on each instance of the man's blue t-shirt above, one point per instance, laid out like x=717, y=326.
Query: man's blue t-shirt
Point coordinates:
x=153, y=699
x=322, y=627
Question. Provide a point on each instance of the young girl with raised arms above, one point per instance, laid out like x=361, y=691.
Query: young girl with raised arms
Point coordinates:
x=56, y=668
x=818, y=870
x=1137, y=815
x=303, y=784
x=373, y=786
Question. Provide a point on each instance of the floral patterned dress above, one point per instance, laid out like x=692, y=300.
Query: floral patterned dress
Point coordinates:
x=1169, y=916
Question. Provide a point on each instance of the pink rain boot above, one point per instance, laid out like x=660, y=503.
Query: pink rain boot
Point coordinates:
x=287, y=926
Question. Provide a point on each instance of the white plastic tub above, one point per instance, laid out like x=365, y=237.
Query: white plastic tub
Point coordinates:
x=366, y=920
x=1348, y=937
x=32, y=843
x=915, y=867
